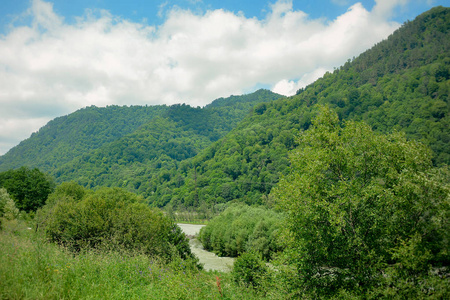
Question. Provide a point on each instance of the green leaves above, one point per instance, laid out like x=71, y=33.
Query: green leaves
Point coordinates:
x=241, y=228
x=29, y=188
x=110, y=219
x=354, y=197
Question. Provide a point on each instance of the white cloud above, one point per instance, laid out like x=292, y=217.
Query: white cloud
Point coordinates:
x=290, y=87
x=384, y=8
x=51, y=68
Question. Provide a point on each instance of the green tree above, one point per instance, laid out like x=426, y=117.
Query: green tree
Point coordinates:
x=111, y=219
x=29, y=188
x=249, y=269
x=242, y=228
x=8, y=209
x=361, y=203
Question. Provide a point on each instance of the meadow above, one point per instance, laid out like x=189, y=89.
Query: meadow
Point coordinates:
x=31, y=268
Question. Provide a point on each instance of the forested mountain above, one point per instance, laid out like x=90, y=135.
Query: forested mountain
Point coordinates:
x=67, y=137
x=401, y=84
x=124, y=146
x=203, y=156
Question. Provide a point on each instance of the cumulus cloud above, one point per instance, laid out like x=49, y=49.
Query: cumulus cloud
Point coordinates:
x=51, y=68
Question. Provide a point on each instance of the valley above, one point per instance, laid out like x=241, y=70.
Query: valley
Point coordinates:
x=343, y=189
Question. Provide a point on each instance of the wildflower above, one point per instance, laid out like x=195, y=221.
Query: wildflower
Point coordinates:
x=218, y=285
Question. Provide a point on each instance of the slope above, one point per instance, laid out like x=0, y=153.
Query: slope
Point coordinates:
x=70, y=138
x=147, y=156
x=67, y=137
x=402, y=84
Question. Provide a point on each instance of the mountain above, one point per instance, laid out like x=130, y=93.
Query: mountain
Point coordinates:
x=237, y=148
x=67, y=137
x=402, y=84
x=117, y=145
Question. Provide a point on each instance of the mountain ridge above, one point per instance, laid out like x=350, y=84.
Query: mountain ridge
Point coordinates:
x=246, y=163
x=236, y=148
x=68, y=138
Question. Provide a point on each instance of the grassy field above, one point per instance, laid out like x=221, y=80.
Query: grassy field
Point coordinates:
x=31, y=268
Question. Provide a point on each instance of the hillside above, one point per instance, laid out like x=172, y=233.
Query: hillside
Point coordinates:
x=196, y=157
x=400, y=84
x=124, y=146
x=67, y=137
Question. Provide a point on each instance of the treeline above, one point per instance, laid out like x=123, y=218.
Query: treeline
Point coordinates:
x=99, y=147
x=240, y=229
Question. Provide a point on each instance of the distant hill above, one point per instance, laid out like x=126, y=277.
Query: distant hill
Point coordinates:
x=236, y=148
x=67, y=137
x=402, y=84
x=110, y=145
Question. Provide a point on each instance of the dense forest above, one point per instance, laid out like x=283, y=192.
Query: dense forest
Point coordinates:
x=400, y=84
x=236, y=148
x=192, y=157
x=126, y=146
x=339, y=192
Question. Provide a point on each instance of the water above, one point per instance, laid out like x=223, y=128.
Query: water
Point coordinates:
x=209, y=260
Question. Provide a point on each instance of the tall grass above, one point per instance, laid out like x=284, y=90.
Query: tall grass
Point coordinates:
x=31, y=268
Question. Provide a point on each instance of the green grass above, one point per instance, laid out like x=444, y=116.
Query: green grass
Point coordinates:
x=31, y=268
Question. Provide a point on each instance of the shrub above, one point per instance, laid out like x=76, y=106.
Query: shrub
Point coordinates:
x=8, y=208
x=110, y=219
x=242, y=228
x=249, y=269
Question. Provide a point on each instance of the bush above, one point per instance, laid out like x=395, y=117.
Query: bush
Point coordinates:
x=8, y=209
x=241, y=228
x=110, y=219
x=249, y=269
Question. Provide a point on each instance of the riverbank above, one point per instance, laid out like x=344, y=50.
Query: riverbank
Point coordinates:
x=210, y=261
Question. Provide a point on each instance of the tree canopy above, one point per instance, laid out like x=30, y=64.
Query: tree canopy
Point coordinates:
x=29, y=188
x=361, y=203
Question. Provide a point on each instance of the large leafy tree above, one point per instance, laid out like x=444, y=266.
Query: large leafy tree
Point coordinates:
x=29, y=188
x=361, y=204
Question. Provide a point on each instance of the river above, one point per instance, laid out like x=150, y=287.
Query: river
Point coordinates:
x=209, y=260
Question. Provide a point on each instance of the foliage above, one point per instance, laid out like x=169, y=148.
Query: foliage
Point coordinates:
x=29, y=188
x=110, y=218
x=71, y=136
x=8, y=209
x=241, y=228
x=362, y=206
x=137, y=148
x=31, y=268
x=203, y=157
x=249, y=269
x=400, y=84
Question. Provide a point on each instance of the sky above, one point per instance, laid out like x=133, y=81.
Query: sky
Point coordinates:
x=62, y=55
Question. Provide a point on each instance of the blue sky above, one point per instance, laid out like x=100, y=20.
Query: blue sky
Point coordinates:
x=149, y=11
x=62, y=55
